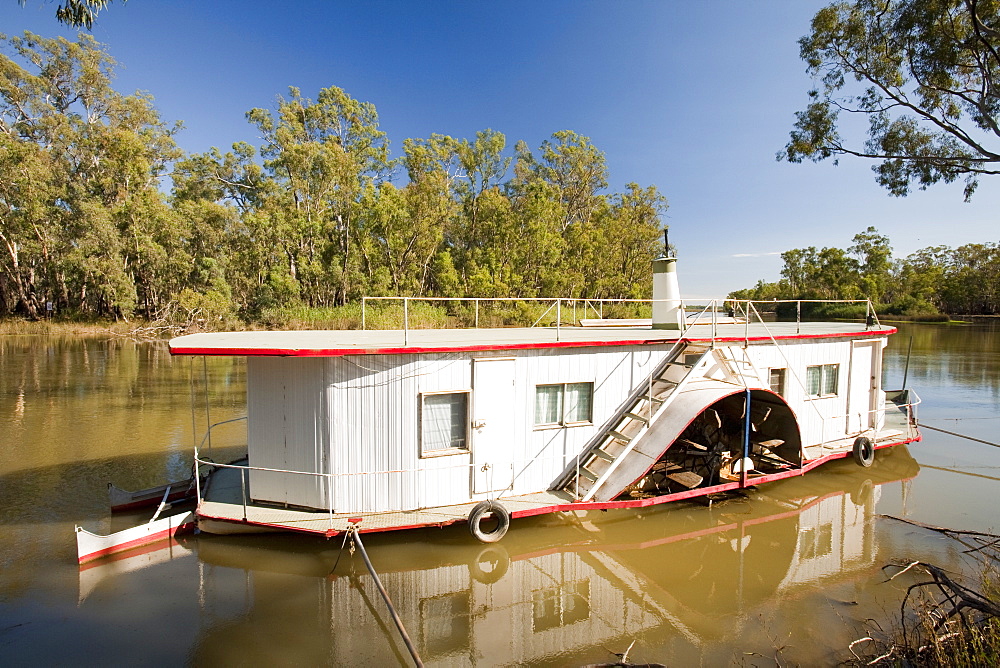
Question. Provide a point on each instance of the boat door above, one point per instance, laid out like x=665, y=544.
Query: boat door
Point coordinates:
x=492, y=424
x=863, y=385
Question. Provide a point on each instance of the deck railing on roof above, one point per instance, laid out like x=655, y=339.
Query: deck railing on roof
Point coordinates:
x=708, y=307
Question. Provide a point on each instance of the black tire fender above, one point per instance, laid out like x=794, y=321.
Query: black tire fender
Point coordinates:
x=480, y=511
x=495, y=556
x=864, y=451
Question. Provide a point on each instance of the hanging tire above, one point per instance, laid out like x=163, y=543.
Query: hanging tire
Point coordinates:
x=864, y=451
x=498, y=512
x=498, y=560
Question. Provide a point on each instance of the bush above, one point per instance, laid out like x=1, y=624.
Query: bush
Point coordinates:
x=377, y=315
x=210, y=309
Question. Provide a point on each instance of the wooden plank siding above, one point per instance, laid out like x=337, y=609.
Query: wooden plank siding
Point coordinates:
x=360, y=414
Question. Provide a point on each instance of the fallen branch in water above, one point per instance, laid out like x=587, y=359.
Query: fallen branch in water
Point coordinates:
x=945, y=530
x=942, y=622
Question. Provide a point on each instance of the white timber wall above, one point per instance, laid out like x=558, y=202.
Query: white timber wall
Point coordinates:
x=287, y=428
x=374, y=407
x=357, y=418
x=820, y=418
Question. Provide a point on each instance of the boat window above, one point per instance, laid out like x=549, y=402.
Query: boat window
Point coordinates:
x=564, y=404
x=444, y=422
x=822, y=380
x=777, y=380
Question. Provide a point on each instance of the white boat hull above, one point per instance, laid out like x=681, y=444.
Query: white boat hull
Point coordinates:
x=90, y=546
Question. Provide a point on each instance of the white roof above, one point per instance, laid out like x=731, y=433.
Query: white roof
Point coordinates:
x=334, y=343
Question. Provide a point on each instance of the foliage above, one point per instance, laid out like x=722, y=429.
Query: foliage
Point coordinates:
x=79, y=13
x=963, y=280
x=925, y=75
x=294, y=230
x=82, y=221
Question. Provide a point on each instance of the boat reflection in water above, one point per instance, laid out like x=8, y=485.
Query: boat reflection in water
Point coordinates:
x=683, y=582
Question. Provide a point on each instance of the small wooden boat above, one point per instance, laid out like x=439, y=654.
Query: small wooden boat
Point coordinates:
x=122, y=500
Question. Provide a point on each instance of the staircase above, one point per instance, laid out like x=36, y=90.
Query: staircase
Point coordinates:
x=619, y=436
x=738, y=366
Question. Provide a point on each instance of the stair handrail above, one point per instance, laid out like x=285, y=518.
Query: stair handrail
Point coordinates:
x=636, y=392
x=632, y=443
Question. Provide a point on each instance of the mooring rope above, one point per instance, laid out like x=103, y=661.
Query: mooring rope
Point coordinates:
x=385, y=597
x=952, y=433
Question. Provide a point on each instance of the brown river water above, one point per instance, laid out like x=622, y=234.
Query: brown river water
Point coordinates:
x=788, y=574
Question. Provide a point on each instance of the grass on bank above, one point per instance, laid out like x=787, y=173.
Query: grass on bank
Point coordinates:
x=384, y=314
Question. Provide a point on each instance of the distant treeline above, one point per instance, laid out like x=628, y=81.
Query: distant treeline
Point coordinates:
x=102, y=215
x=938, y=279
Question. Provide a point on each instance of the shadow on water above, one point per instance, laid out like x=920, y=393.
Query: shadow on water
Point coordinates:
x=77, y=491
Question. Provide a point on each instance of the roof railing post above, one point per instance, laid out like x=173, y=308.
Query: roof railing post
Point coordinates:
x=746, y=324
x=208, y=412
x=798, y=317
x=363, y=312
x=558, y=315
x=715, y=321
x=243, y=491
x=406, y=321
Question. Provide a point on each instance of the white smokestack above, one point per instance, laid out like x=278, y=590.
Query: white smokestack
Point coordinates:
x=667, y=311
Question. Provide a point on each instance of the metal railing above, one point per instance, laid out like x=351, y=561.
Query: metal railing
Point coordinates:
x=517, y=468
x=701, y=306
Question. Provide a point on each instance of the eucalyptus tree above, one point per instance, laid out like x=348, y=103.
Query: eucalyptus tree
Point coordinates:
x=217, y=196
x=82, y=220
x=633, y=237
x=576, y=168
x=322, y=155
x=924, y=73
x=401, y=231
x=874, y=254
x=972, y=279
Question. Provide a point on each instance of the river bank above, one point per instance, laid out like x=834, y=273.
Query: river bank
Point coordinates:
x=420, y=315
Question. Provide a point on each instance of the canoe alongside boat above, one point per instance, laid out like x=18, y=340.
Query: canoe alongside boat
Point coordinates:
x=123, y=500
x=91, y=546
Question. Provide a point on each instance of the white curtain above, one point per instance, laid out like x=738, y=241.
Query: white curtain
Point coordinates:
x=444, y=421
x=813, y=376
x=830, y=374
x=578, y=402
x=548, y=404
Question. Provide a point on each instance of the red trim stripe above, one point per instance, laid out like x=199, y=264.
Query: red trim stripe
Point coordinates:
x=340, y=352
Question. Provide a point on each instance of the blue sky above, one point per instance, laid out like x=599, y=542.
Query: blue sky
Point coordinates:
x=695, y=98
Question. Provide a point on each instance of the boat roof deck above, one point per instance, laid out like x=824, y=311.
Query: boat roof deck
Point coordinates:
x=335, y=343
